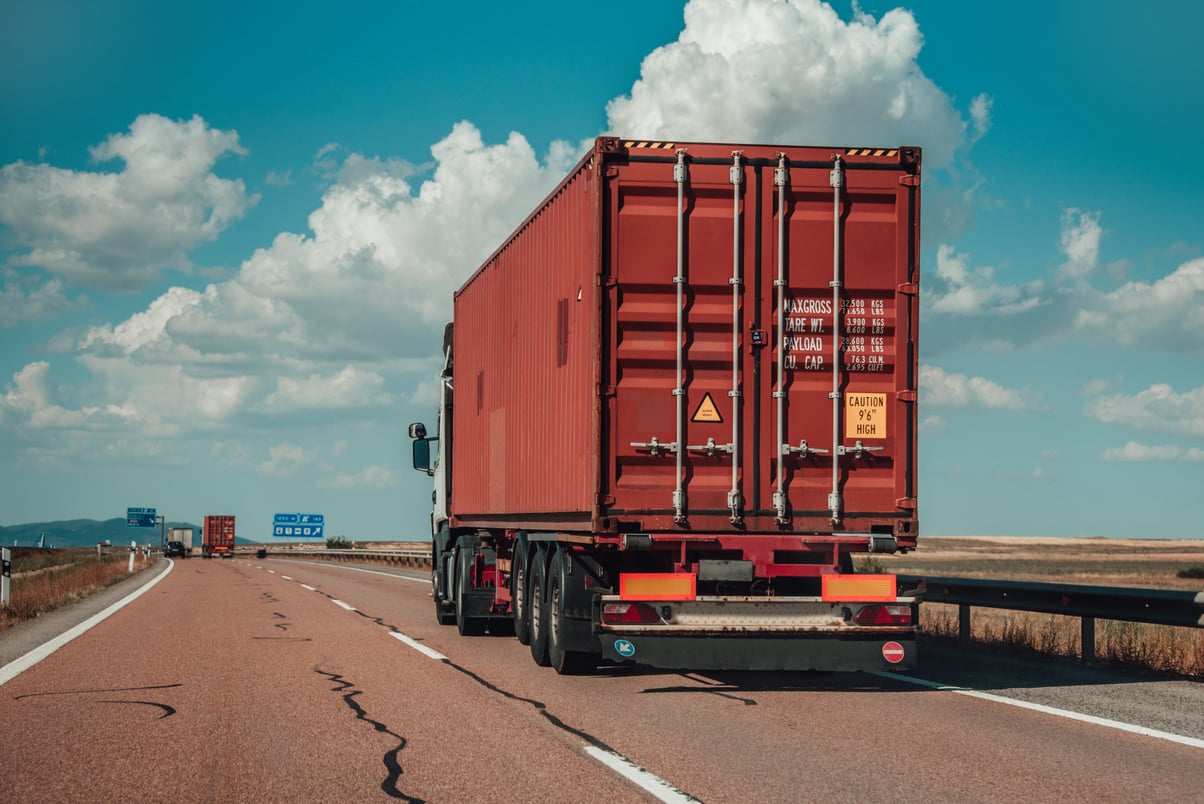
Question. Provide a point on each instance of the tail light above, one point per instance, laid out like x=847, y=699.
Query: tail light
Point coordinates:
x=637, y=613
x=883, y=615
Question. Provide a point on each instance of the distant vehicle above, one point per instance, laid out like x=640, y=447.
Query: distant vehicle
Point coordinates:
x=217, y=538
x=175, y=550
x=182, y=535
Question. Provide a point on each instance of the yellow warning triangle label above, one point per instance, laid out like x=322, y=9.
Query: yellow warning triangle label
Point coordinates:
x=706, y=411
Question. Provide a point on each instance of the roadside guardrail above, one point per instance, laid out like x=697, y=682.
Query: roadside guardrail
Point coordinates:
x=1089, y=603
x=403, y=558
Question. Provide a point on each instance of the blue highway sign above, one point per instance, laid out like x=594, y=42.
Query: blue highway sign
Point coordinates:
x=140, y=517
x=299, y=526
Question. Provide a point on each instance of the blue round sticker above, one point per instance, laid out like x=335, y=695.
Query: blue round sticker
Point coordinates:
x=624, y=648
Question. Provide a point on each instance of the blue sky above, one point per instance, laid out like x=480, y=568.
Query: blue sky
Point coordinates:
x=229, y=235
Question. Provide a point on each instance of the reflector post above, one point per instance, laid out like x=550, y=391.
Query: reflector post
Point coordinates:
x=859, y=588
x=657, y=586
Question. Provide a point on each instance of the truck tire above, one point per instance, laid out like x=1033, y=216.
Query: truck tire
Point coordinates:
x=520, y=596
x=467, y=626
x=565, y=662
x=442, y=616
x=539, y=609
x=439, y=568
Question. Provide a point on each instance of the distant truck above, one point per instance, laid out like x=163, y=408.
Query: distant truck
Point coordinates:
x=217, y=537
x=182, y=537
x=685, y=395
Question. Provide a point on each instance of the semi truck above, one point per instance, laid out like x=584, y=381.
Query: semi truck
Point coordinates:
x=677, y=402
x=181, y=539
x=217, y=536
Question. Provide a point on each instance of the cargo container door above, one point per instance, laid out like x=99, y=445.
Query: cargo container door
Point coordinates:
x=843, y=268
x=681, y=252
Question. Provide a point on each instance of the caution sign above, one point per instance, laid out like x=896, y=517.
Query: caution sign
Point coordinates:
x=865, y=416
x=706, y=411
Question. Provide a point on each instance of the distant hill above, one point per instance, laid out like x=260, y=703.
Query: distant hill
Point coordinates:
x=89, y=532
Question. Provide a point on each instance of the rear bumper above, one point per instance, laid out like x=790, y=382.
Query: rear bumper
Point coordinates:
x=824, y=652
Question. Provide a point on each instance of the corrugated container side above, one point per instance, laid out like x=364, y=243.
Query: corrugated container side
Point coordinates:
x=525, y=368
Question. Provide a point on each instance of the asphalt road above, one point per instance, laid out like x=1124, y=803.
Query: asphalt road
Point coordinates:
x=273, y=680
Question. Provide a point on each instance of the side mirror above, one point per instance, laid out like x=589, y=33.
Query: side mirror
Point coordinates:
x=422, y=453
x=417, y=430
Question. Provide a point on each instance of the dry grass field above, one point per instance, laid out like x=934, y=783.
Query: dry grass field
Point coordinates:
x=1143, y=563
x=44, y=582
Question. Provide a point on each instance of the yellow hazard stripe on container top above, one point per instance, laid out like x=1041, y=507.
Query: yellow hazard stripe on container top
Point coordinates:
x=656, y=586
x=859, y=588
x=872, y=152
x=647, y=144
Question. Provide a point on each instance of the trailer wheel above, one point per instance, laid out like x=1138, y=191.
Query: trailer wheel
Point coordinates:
x=467, y=626
x=539, y=610
x=520, y=597
x=442, y=616
x=564, y=662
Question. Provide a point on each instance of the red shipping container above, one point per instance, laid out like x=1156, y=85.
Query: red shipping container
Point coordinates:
x=697, y=338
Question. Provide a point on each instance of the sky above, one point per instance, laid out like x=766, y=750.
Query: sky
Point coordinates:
x=229, y=236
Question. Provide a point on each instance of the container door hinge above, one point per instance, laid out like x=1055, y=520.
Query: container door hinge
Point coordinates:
x=908, y=288
x=906, y=502
x=910, y=180
x=906, y=395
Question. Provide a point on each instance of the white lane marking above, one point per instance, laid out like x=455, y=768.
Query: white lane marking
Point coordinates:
x=307, y=586
x=418, y=646
x=341, y=604
x=285, y=577
x=376, y=572
x=658, y=787
x=18, y=666
x=272, y=571
x=1049, y=710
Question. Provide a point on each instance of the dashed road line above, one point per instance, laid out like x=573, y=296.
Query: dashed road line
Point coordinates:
x=418, y=646
x=658, y=787
x=341, y=604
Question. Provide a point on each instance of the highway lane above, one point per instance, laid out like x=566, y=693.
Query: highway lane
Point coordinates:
x=226, y=683
x=320, y=700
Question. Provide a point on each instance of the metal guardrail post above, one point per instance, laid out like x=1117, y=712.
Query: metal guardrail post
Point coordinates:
x=963, y=625
x=1087, y=641
x=6, y=566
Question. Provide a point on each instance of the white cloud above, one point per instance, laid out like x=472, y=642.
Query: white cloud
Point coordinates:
x=1081, y=235
x=286, y=460
x=119, y=231
x=1157, y=408
x=817, y=79
x=1135, y=452
x=24, y=299
x=322, y=322
x=974, y=291
x=375, y=476
x=980, y=114
x=350, y=387
x=958, y=390
x=1166, y=315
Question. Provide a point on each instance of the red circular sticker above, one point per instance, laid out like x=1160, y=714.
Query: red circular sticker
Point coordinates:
x=892, y=652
